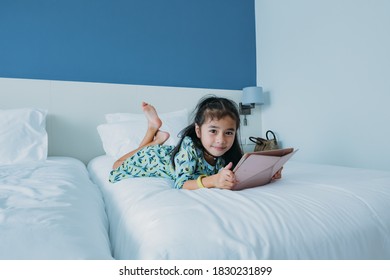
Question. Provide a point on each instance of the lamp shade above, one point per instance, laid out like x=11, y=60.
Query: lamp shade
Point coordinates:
x=252, y=95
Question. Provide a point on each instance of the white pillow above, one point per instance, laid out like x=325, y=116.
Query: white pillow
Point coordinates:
x=123, y=132
x=23, y=135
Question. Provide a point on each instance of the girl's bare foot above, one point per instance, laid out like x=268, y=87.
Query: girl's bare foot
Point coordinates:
x=151, y=114
x=161, y=137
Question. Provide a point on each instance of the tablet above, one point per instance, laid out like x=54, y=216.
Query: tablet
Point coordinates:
x=257, y=168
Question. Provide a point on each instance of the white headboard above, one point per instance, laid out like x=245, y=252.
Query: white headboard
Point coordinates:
x=77, y=108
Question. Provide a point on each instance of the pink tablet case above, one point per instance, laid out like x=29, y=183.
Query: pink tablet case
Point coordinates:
x=257, y=168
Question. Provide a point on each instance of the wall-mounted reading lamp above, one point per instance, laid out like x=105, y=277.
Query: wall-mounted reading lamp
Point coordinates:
x=250, y=97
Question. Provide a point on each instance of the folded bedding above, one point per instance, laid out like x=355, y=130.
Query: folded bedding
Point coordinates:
x=50, y=209
x=313, y=212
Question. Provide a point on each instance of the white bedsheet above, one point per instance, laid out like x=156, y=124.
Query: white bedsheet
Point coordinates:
x=313, y=212
x=51, y=210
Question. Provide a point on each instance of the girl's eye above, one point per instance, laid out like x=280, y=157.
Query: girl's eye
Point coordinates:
x=213, y=131
x=229, y=133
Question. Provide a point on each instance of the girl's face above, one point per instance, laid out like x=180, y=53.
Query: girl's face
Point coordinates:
x=217, y=136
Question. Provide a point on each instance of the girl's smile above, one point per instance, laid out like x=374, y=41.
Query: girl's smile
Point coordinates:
x=217, y=136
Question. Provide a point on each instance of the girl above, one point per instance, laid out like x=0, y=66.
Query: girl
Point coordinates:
x=204, y=157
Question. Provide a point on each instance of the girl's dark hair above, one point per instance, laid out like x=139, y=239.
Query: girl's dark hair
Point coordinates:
x=213, y=107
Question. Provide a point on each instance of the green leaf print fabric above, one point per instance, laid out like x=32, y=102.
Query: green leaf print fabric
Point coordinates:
x=155, y=161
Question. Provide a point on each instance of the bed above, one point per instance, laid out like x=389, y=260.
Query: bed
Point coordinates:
x=49, y=208
x=314, y=212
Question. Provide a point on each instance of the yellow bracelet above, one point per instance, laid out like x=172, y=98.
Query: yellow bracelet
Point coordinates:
x=199, y=181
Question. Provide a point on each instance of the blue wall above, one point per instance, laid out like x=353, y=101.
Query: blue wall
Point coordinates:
x=189, y=43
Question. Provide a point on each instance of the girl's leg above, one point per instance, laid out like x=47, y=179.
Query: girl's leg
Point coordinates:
x=154, y=124
x=153, y=135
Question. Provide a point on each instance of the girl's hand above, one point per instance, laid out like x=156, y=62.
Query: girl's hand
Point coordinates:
x=225, y=179
x=278, y=174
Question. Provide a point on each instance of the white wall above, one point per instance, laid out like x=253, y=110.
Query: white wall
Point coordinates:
x=77, y=108
x=326, y=68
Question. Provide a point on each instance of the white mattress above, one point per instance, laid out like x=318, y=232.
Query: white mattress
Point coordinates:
x=51, y=210
x=313, y=212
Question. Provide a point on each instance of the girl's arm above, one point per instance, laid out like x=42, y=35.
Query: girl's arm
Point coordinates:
x=225, y=179
x=191, y=185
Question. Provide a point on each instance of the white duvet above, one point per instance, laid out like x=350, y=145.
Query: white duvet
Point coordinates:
x=51, y=210
x=313, y=212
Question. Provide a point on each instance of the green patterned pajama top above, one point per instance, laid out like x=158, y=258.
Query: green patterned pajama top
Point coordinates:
x=155, y=161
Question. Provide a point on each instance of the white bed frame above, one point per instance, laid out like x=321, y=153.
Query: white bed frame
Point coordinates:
x=77, y=108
